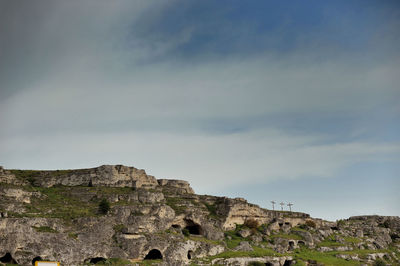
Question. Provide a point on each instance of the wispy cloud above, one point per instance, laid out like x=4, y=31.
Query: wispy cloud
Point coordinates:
x=217, y=94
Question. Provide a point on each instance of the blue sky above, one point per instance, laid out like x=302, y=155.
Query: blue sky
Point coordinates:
x=268, y=100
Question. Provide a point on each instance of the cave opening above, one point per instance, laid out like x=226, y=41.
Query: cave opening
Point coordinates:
x=291, y=246
x=96, y=260
x=193, y=228
x=35, y=259
x=288, y=262
x=154, y=254
x=7, y=258
x=190, y=255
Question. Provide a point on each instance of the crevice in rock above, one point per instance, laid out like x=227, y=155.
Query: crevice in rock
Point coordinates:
x=154, y=254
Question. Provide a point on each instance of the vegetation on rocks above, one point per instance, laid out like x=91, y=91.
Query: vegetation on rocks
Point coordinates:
x=152, y=221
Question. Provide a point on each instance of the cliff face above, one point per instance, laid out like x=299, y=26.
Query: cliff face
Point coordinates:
x=55, y=216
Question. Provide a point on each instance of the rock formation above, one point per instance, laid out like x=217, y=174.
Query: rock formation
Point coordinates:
x=55, y=216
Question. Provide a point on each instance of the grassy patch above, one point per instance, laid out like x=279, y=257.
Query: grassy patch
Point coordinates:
x=352, y=240
x=176, y=204
x=258, y=252
x=212, y=210
x=73, y=235
x=118, y=228
x=59, y=203
x=329, y=258
x=321, y=257
x=232, y=240
x=45, y=229
x=149, y=262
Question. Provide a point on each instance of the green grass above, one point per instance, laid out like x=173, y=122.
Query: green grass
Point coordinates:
x=44, y=229
x=212, y=210
x=58, y=202
x=329, y=258
x=73, y=235
x=326, y=258
x=119, y=227
x=258, y=252
x=235, y=239
x=149, y=262
x=176, y=204
x=352, y=240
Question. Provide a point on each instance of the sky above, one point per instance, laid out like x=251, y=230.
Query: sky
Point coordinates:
x=293, y=101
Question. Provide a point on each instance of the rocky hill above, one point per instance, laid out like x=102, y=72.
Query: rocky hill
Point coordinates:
x=119, y=215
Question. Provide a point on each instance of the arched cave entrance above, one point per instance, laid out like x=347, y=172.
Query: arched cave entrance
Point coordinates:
x=154, y=254
x=300, y=242
x=291, y=246
x=190, y=255
x=193, y=228
x=35, y=259
x=7, y=258
x=95, y=260
x=288, y=263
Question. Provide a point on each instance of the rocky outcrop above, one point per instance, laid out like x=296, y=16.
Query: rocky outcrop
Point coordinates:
x=56, y=216
x=177, y=186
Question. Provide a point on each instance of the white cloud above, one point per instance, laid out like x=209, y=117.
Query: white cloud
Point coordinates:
x=209, y=162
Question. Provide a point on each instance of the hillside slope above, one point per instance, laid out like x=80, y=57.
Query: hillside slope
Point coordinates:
x=119, y=215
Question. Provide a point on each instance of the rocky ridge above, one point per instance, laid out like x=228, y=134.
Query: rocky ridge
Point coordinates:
x=55, y=216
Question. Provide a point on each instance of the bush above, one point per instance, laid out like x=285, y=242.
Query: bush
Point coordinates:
x=311, y=223
x=104, y=206
x=185, y=232
x=251, y=223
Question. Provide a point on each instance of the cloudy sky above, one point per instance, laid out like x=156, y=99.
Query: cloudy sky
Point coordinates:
x=268, y=100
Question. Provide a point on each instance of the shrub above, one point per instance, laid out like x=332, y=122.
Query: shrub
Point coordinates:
x=386, y=224
x=185, y=232
x=104, y=206
x=340, y=222
x=311, y=223
x=251, y=223
x=119, y=228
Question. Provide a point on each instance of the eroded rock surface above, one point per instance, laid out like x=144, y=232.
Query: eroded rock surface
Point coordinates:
x=56, y=216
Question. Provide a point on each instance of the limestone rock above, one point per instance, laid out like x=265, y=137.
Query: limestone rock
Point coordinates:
x=244, y=246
